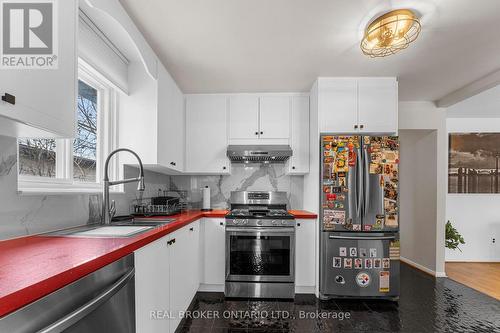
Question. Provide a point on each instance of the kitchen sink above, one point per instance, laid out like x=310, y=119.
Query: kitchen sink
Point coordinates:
x=117, y=229
x=143, y=221
x=102, y=231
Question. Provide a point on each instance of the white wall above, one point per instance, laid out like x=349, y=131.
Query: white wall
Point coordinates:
x=418, y=196
x=424, y=144
x=475, y=216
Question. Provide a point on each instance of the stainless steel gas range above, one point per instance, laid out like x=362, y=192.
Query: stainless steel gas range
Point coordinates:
x=260, y=246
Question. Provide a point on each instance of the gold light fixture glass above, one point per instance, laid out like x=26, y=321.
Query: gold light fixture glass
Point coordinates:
x=390, y=33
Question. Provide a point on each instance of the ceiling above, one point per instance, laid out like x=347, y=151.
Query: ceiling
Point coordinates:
x=483, y=105
x=283, y=45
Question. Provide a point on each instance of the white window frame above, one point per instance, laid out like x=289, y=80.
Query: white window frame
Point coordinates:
x=106, y=141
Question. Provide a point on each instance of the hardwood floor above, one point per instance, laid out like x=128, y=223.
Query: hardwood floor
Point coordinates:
x=483, y=277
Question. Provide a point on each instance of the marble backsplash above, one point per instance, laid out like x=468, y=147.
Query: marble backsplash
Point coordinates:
x=244, y=177
x=26, y=214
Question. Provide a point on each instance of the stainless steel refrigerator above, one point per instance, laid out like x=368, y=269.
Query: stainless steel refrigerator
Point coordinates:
x=359, y=224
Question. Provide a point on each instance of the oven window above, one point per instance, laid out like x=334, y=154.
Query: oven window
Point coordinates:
x=259, y=255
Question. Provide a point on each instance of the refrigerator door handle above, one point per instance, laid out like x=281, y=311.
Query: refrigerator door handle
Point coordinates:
x=362, y=238
x=366, y=180
x=359, y=183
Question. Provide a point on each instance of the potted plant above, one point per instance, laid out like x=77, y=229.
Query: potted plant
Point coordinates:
x=452, y=237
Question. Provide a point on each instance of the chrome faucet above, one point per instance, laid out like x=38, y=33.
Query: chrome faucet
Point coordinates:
x=109, y=212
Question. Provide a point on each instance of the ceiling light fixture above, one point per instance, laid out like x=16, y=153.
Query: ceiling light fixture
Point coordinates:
x=390, y=33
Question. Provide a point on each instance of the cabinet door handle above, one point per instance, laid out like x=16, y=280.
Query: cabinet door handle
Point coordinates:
x=293, y=168
x=8, y=98
x=224, y=168
x=361, y=126
x=261, y=132
x=191, y=229
x=298, y=224
x=221, y=223
x=173, y=163
x=256, y=133
x=355, y=126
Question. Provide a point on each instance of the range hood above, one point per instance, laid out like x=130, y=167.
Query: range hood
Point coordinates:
x=259, y=153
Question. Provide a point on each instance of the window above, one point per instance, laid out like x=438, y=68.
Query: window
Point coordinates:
x=73, y=164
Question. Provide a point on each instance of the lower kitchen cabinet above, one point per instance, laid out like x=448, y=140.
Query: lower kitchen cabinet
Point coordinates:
x=305, y=240
x=214, y=252
x=152, y=286
x=167, y=278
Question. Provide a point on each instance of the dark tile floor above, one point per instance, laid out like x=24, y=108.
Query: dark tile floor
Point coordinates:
x=425, y=305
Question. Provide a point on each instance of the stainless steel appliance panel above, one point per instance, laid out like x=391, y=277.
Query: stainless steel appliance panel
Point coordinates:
x=381, y=188
x=260, y=254
x=347, y=279
x=341, y=182
x=103, y=301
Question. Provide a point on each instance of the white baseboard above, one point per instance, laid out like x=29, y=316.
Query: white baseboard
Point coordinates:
x=422, y=268
x=305, y=289
x=211, y=287
x=493, y=261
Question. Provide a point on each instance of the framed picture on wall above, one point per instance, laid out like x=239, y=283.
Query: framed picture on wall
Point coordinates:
x=473, y=163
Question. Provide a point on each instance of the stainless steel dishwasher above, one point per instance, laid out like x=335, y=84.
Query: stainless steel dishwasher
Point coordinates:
x=103, y=301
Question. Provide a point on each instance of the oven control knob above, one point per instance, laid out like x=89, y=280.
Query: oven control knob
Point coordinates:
x=275, y=222
x=283, y=222
x=259, y=222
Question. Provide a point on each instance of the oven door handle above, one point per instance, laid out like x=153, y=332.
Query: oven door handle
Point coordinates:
x=266, y=230
x=363, y=238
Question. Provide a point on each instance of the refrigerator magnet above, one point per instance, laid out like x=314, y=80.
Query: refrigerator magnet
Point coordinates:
x=386, y=263
x=384, y=280
x=362, y=252
x=367, y=227
x=348, y=263
x=366, y=140
x=373, y=253
x=363, y=279
x=343, y=251
x=337, y=262
x=356, y=227
x=391, y=220
x=358, y=263
x=353, y=252
x=377, y=263
x=368, y=263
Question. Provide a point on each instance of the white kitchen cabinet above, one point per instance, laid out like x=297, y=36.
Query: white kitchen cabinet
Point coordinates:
x=299, y=137
x=214, y=250
x=151, y=120
x=243, y=116
x=377, y=105
x=181, y=268
x=337, y=104
x=274, y=117
x=194, y=257
x=167, y=279
x=206, y=134
x=305, y=236
x=152, y=286
x=357, y=105
x=45, y=99
x=171, y=127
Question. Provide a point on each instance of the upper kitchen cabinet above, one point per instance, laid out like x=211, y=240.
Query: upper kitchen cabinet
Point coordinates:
x=274, y=117
x=337, y=104
x=42, y=102
x=259, y=119
x=378, y=105
x=170, y=122
x=299, y=136
x=151, y=120
x=357, y=105
x=243, y=117
x=206, y=134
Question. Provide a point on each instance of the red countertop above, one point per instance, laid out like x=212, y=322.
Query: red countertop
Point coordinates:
x=34, y=266
x=303, y=214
